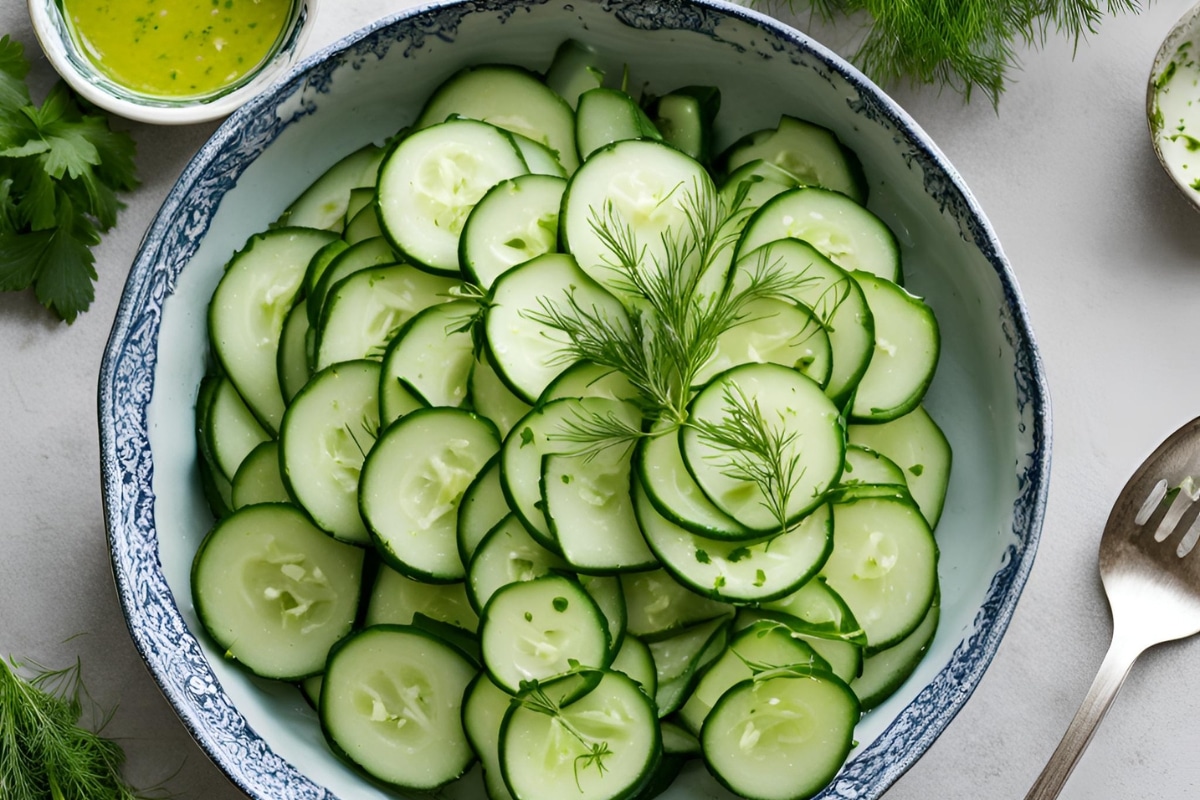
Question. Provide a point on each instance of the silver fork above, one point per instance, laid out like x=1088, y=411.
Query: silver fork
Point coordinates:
x=1152, y=583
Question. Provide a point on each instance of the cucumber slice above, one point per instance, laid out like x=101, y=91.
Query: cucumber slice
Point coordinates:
x=391, y=703
x=323, y=204
x=507, y=554
x=738, y=572
x=231, y=428
x=907, y=345
x=883, y=673
x=792, y=410
x=396, y=599
x=773, y=332
x=411, y=485
x=481, y=508
x=644, y=186
x=865, y=467
x=635, y=660
x=585, y=379
x=809, y=151
x=533, y=630
x=360, y=198
x=292, y=362
x=751, y=185
x=364, y=225
x=369, y=253
x=515, y=221
x=540, y=159
x=364, y=311
x=599, y=742
x=606, y=591
x=274, y=591
x=604, y=116
x=588, y=506
x=837, y=301
x=484, y=707
x=248, y=307
x=884, y=565
x=674, y=494
x=783, y=737
x=258, y=479
x=844, y=658
x=679, y=660
x=526, y=349
x=760, y=647
x=685, y=117
x=432, y=355
x=491, y=397
x=839, y=228
x=816, y=608
x=575, y=68
x=326, y=433
x=430, y=181
x=917, y=445
x=511, y=98
x=658, y=606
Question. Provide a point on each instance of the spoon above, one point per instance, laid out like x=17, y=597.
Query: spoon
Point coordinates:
x=1173, y=104
x=1151, y=577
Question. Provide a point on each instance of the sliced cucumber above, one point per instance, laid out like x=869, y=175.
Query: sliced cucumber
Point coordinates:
x=515, y=221
x=809, y=151
x=481, y=508
x=510, y=98
x=866, y=467
x=658, y=606
x=364, y=225
x=396, y=599
x=432, y=355
x=680, y=658
x=327, y=431
x=884, y=565
x=274, y=591
x=635, y=660
x=369, y=253
x=598, y=741
x=526, y=349
x=430, y=181
x=918, y=446
x=248, y=307
x=795, y=412
x=391, y=703
x=738, y=572
x=231, y=428
x=507, y=554
x=604, y=116
x=886, y=671
x=533, y=630
x=258, y=479
x=490, y=396
x=323, y=204
x=782, y=737
x=685, y=117
x=411, y=485
x=292, y=360
x=773, y=332
x=837, y=301
x=483, y=710
x=364, y=311
x=576, y=67
x=585, y=379
x=839, y=228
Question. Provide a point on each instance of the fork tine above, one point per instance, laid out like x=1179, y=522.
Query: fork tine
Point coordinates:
x=1189, y=539
x=1179, y=506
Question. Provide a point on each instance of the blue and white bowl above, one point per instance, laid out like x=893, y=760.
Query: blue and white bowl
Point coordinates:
x=989, y=395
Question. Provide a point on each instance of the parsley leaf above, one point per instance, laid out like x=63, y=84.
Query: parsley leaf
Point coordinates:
x=61, y=169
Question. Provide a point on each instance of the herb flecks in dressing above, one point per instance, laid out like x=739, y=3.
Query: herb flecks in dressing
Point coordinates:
x=177, y=48
x=1176, y=119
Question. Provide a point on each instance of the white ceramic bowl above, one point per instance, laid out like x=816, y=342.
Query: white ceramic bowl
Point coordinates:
x=989, y=394
x=81, y=74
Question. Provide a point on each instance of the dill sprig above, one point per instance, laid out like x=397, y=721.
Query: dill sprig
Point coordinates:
x=965, y=45
x=595, y=752
x=751, y=449
x=44, y=752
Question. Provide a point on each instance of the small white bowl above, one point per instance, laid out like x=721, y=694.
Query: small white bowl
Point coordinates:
x=61, y=48
x=1181, y=45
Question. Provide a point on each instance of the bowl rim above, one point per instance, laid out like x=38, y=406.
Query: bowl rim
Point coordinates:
x=940, y=700
x=60, y=50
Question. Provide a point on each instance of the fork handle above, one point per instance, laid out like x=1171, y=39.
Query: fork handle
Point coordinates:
x=1116, y=665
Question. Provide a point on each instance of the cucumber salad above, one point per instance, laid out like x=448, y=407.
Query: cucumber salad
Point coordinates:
x=549, y=436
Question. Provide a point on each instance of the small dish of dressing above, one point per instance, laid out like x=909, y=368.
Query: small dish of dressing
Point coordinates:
x=171, y=62
x=1173, y=104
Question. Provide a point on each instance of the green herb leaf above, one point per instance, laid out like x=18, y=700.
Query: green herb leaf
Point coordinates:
x=61, y=168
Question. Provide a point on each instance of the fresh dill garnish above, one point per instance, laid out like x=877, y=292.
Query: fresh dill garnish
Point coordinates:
x=750, y=448
x=45, y=754
x=535, y=698
x=965, y=45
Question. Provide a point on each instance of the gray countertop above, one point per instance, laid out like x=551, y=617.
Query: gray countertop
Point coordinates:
x=1107, y=255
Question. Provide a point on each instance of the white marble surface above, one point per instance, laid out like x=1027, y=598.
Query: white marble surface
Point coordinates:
x=1108, y=259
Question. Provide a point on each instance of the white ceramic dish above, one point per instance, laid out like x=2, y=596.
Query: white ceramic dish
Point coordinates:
x=79, y=72
x=989, y=395
x=1173, y=102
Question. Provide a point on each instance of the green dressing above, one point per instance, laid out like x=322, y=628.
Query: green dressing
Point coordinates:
x=1176, y=115
x=177, y=48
